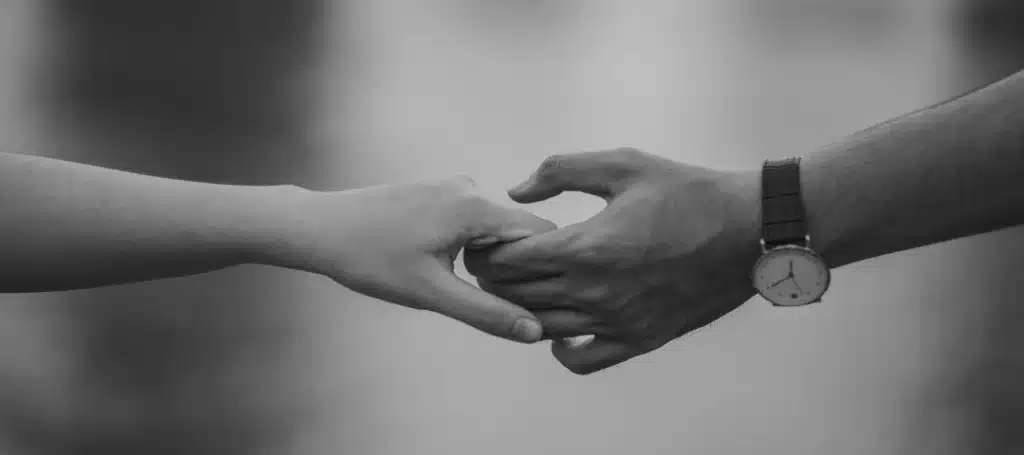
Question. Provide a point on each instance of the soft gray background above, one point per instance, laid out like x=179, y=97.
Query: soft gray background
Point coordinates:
x=915, y=353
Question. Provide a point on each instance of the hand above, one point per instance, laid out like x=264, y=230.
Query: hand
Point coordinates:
x=399, y=242
x=670, y=253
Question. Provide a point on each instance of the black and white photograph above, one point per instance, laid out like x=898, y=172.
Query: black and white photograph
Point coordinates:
x=511, y=227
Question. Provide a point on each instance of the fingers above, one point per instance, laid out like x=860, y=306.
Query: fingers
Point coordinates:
x=602, y=173
x=560, y=324
x=482, y=223
x=438, y=289
x=545, y=294
x=493, y=224
x=532, y=258
x=596, y=355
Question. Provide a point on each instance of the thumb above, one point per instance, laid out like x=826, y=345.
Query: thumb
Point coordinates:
x=441, y=291
x=601, y=173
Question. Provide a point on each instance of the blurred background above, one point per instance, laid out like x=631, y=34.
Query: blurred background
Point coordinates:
x=916, y=353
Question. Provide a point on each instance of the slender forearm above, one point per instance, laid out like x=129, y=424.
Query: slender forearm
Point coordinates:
x=66, y=225
x=945, y=172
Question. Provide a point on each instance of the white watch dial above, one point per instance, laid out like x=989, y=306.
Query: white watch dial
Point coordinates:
x=791, y=276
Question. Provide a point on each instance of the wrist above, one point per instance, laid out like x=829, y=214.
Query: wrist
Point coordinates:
x=827, y=229
x=270, y=227
x=743, y=225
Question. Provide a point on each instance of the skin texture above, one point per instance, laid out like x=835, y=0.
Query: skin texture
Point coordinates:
x=668, y=254
x=673, y=249
x=393, y=242
x=399, y=243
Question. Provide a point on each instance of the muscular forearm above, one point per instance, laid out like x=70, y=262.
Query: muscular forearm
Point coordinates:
x=66, y=225
x=949, y=171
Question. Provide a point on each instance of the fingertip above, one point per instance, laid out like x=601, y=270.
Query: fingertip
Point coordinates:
x=521, y=187
x=527, y=330
x=593, y=356
x=527, y=191
x=453, y=297
x=577, y=342
x=518, y=193
x=559, y=349
x=531, y=192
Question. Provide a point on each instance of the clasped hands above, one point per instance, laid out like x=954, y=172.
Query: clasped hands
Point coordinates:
x=670, y=252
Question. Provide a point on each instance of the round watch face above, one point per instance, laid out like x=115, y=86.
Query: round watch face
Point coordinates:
x=791, y=275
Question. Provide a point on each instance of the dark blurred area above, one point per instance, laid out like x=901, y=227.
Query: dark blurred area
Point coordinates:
x=991, y=38
x=228, y=84
x=216, y=91
x=234, y=91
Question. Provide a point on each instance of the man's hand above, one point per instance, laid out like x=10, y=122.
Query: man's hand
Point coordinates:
x=670, y=253
x=399, y=242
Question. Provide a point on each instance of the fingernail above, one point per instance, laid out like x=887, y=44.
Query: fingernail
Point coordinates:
x=577, y=342
x=527, y=330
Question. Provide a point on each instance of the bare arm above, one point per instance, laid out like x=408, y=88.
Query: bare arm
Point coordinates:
x=673, y=249
x=941, y=173
x=66, y=225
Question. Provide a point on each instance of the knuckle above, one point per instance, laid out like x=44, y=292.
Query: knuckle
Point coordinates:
x=622, y=162
x=553, y=164
x=602, y=249
x=626, y=156
x=629, y=152
x=592, y=295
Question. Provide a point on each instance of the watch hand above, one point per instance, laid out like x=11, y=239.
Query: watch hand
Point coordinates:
x=798, y=288
x=778, y=282
x=790, y=269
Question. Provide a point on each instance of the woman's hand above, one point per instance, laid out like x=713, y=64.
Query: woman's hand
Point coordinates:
x=399, y=242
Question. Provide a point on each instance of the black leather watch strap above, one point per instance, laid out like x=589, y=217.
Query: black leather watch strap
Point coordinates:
x=783, y=220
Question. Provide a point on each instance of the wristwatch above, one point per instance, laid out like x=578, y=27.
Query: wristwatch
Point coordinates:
x=789, y=272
